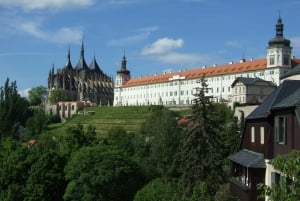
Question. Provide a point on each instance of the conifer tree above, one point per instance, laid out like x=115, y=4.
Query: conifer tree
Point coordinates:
x=13, y=109
x=201, y=156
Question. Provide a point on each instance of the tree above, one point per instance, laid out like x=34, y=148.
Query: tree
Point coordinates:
x=288, y=188
x=31, y=172
x=37, y=95
x=101, y=173
x=14, y=168
x=76, y=137
x=119, y=137
x=202, y=154
x=45, y=179
x=37, y=123
x=13, y=109
x=57, y=95
x=158, y=142
x=160, y=189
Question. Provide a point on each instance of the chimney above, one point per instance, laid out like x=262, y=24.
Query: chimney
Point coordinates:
x=242, y=60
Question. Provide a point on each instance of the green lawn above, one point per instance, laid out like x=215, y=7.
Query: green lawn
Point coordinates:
x=104, y=118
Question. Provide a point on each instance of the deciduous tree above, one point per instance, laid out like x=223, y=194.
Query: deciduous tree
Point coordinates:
x=37, y=95
x=57, y=95
x=288, y=188
x=158, y=142
x=101, y=173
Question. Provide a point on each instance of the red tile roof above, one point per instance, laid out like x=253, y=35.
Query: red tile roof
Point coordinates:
x=245, y=66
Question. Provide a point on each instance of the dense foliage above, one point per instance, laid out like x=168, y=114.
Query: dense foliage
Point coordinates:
x=37, y=95
x=13, y=110
x=206, y=144
x=57, y=95
x=288, y=188
x=164, y=160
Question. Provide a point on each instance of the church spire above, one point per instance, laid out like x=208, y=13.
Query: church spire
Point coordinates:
x=81, y=65
x=68, y=63
x=279, y=27
x=124, y=62
x=82, y=49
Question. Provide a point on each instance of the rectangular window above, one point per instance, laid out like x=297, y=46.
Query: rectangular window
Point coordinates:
x=286, y=60
x=280, y=129
x=252, y=134
x=262, y=135
x=275, y=178
x=272, y=60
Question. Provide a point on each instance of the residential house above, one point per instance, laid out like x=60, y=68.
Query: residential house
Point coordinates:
x=272, y=129
x=249, y=91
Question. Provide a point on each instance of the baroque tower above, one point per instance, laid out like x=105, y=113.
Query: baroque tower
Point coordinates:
x=123, y=75
x=279, y=50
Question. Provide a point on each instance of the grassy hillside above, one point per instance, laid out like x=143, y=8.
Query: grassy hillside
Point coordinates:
x=104, y=118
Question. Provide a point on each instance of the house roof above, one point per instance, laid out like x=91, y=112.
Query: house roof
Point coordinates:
x=286, y=95
x=294, y=71
x=248, y=159
x=290, y=101
x=250, y=81
x=244, y=66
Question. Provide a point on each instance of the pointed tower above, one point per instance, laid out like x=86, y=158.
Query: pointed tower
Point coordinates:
x=123, y=75
x=68, y=65
x=95, y=67
x=81, y=65
x=279, y=50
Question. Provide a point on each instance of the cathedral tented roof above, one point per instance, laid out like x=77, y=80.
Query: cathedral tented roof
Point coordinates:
x=81, y=65
x=68, y=65
x=95, y=67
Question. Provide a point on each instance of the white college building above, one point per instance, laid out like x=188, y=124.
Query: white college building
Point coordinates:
x=178, y=87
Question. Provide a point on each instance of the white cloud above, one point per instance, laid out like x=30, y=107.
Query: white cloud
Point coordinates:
x=181, y=58
x=24, y=92
x=142, y=34
x=29, y=5
x=164, y=50
x=163, y=46
x=65, y=35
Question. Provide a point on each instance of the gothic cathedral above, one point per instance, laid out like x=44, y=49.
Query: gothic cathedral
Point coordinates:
x=82, y=83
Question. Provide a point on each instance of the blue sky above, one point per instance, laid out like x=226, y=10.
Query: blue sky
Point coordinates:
x=156, y=35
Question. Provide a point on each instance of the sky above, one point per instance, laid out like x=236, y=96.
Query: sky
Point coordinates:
x=156, y=36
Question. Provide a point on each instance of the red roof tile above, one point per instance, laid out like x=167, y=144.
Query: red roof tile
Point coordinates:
x=246, y=66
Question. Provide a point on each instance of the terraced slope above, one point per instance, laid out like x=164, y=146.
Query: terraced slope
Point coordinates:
x=104, y=118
